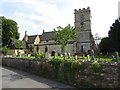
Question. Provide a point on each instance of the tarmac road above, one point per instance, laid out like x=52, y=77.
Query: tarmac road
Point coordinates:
x=12, y=78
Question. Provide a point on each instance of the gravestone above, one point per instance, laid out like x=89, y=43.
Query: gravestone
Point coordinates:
x=29, y=55
x=46, y=55
x=88, y=57
x=56, y=55
x=49, y=55
x=92, y=54
x=61, y=55
x=65, y=54
x=69, y=55
x=76, y=57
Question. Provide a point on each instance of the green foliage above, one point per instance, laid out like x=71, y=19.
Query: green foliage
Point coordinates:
x=116, y=55
x=63, y=35
x=112, y=42
x=106, y=45
x=18, y=44
x=96, y=67
x=39, y=55
x=4, y=50
x=9, y=31
x=114, y=35
x=76, y=66
x=117, y=58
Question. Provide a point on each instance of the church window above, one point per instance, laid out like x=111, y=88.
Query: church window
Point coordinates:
x=46, y=49
x=37, y=49
x=61, y=49
x=81, y=47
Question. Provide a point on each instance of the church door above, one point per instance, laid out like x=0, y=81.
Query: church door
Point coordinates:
x=53, y=53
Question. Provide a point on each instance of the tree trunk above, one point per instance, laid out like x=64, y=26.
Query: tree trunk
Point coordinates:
x=63, y=52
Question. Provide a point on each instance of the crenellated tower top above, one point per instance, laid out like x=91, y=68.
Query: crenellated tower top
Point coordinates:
x=82, y=10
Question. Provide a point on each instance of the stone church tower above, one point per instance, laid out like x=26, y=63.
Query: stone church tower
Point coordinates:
x=82, y=23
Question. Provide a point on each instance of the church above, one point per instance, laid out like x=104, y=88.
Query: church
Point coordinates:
x=83, y=42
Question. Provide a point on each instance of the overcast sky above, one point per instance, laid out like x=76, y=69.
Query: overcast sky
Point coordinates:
x=36, y=15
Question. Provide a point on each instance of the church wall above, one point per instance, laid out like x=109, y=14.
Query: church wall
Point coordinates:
x=37, y=40
x=70, y=49
x=86, y=47
x=57, y=48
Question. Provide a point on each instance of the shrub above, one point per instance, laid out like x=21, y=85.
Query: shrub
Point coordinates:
x=116, y=55
x=116, y=59
x=4, y=50
x=96, y=67
x=39, y=55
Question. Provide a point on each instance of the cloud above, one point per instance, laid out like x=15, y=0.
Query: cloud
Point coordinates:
x=36, y=15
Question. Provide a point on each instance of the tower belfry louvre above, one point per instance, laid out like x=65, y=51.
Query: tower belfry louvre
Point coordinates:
x=83, y=29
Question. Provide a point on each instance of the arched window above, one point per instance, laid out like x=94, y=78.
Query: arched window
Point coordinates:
x=31, y=48
x=53, y=53
x=82, y=48
x=46, y=49
x=61, y=49
x=37, y=49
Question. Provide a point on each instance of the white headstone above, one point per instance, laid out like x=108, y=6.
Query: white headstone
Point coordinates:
x=29, y=55
x=47, y=55
x=76, y=57
x=65, y=54
x=56, y=55
x=88, y=57
x=69, y=54
x=61, y=55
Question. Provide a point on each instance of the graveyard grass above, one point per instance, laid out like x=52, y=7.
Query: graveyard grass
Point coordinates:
x=98, y=58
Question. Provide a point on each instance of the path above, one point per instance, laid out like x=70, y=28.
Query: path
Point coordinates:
x=12, y=78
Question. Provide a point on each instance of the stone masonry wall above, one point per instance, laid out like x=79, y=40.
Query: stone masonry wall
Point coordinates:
x=107, y=78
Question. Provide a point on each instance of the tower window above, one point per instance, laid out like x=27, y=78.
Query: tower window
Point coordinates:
x=81, y=23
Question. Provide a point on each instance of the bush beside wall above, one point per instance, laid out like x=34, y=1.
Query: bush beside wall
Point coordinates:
x=77, y=73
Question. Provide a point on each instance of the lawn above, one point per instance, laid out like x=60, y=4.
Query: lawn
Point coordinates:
x=98, y=58
x=29, y=57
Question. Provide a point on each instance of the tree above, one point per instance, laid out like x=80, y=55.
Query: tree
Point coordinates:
x=63, y=35
x=112, y=42
x=18, y=44
x=4, y=50
x=114, y=35
x=9, y=31
x=105, y=45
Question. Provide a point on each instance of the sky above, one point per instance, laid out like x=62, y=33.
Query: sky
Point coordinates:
x=38, y=15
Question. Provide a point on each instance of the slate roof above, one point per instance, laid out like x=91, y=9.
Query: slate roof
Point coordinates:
x=44, y=37
x=47, y=36
x=31, y=39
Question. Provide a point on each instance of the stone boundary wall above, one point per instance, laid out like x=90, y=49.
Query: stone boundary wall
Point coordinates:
x=109, y=77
